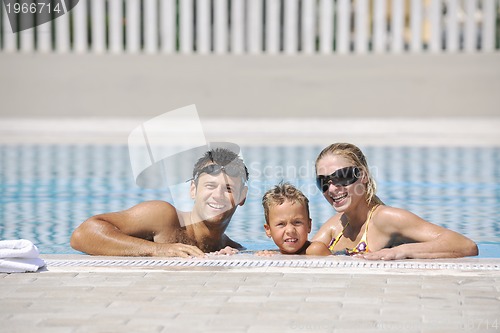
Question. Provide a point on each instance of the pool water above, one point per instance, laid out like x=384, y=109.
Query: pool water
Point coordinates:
x=46, y=191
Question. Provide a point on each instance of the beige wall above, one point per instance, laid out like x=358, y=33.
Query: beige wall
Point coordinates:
x=250, y=86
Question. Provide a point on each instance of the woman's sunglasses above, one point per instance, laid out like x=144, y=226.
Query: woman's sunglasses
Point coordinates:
x=342, y=177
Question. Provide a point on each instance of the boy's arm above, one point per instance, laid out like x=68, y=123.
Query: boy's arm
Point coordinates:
x=318, y=249
x=131, y=233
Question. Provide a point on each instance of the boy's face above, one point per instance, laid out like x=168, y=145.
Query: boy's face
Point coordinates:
x=289, y=224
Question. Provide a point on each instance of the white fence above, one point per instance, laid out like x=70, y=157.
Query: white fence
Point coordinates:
x=264, y=26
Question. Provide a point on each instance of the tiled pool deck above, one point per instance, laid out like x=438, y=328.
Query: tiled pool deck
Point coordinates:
x=246, y=293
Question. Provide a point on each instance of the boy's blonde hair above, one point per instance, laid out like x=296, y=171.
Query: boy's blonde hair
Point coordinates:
x=281, y=193
x=358, y=159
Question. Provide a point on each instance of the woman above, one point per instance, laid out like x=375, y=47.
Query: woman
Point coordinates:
x=364, y=226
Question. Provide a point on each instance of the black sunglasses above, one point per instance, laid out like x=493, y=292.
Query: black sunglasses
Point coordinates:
x=215, y=169
x=342, y=177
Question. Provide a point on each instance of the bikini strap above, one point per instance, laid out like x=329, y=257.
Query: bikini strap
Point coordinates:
x=368, y=219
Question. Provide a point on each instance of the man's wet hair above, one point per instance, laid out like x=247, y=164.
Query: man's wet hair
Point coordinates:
x=223, y=157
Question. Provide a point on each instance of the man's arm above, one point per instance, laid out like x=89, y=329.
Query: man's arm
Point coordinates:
x=131, y=233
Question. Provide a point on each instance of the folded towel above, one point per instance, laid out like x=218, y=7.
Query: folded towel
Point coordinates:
x=15, y=265
x=18, y=248
x=19, y=256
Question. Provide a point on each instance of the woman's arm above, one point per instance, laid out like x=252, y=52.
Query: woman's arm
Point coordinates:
x=428, y=240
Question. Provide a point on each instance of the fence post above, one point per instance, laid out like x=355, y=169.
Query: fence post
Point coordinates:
x=80, y=35
x=343, y=26
x=326, y=26
x=133, y=31
x=237, y=26
x=98, y=26
x=452, y=26
x=488, y=28
x=361, y=29
x=435, y=22
x=470, y=34
x=416, y=26
x=168, y=26
x=290, y=26
x=150, y=23
x=273, y=9
x=254, y=26
x=397, y=26
x=379, y=26
x=220, y=26
x=115, y=26
x=308, y=27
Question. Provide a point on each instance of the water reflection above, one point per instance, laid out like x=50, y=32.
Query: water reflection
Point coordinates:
x=48, y=190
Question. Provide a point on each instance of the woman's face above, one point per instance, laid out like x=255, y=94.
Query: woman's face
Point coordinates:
x=341, y=197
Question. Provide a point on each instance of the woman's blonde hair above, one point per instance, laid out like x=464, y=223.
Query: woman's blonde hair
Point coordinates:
x=356, y=156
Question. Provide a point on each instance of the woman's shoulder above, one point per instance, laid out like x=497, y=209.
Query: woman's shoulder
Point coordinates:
x=390, y=218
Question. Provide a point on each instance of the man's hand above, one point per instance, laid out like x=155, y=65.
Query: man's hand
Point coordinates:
x=178, y=250
x=228, y=251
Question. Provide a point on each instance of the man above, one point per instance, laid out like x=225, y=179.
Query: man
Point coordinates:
x=156, y=228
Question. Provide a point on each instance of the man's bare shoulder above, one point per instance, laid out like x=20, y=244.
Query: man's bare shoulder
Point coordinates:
x=157, y=213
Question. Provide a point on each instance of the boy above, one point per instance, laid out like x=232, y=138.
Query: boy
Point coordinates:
x=286, y=210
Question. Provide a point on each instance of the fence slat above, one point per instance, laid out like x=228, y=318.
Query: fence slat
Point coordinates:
x=326, y=26
x=220, y=26
x=44, y=37
x=416, y=26
x=80, y=35
x=27, y=37
x=133, y=28
x=98, y=26
x=273, y=8
x=150, y=22
x=290, y=24
x=237, y=26
x=254, y=26
x=115, y=26
x=397, y=26
x=488, y=27
x=186, y=26
x=452, y=26
x=470, y=34
x=202, y=26
x=379, y=26
x=435, y=26
x=9, y=38
x=308, y=26
x=62, y=34
x=361, y=29
x=168, y=26
x=343, y=26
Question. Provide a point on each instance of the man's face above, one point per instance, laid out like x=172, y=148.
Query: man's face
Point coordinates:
x=216, y=197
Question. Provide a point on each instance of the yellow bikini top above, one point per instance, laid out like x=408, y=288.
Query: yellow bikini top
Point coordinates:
x=363, y=243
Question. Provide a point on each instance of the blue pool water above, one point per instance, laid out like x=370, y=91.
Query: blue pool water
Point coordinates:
x=46, y=191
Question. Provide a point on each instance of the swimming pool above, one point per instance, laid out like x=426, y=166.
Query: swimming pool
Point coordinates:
x=46, y=191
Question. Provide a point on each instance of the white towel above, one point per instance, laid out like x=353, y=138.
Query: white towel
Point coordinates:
x=16, y=265
x=18, y=248
x=19, y=256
